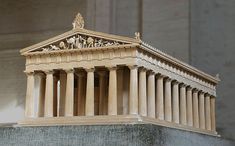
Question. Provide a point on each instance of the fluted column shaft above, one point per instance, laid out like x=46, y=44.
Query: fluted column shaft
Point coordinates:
x=29, y=101
x=183, y=107
x=195, y=109
x=151, y=95
x=133, y=99
x=208, y=112
x=90, y=93
x=160, y=99
x=202, y=119
x=142, y=93
x=49, y=103
x=69, y=96
x=168, y=105
x=213, y=122
x=112, y=97
x=189, y=107
x=175, y=98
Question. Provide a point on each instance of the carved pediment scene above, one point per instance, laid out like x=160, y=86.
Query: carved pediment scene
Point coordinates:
x=79, y=41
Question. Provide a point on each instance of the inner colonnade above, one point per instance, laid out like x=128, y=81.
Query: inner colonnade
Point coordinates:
x=119, y=90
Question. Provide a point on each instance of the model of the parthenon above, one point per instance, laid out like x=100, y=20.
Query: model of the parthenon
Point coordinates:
x=87, y=77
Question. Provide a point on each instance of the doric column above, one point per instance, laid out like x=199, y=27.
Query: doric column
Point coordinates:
x=81, y=94
x=175, y=99
x=133, y=98
x=49, y=94
x=102, y=90
x=168, y=105
x=29, y=101
x=183, y=107
x=90, y=92
x=69, y=96
x=213, y=122
x=160, y=99
x=208, y=112
x=202, y=119
x=142, y=92
x=195, y=109
x=112, y=97
x=41, y=100
x=151, y=95
x=189, y=106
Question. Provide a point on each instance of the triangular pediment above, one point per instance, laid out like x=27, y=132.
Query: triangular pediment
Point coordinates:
x=79, y=39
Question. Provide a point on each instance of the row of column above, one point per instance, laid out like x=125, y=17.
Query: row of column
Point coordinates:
x=150, y=94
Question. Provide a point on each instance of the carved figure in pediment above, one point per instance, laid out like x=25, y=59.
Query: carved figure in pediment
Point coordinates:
x=99, y=43
x=71, y=42
x=45, y=49
x=78, y=43
x=53, y=47
x=90, y=42
x=62, y=45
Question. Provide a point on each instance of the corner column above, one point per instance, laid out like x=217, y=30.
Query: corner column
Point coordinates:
x=175, y=98
x=133, y=99
x=160, y=99
x=89, y=111
x=112, y=97
x=213, y=121
x=168, y=105
x=151, y=95
x=69, y=95
x=29, y=101
x=49, y=94
x=142, y=92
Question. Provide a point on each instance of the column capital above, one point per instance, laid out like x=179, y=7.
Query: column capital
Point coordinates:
x=183, y=85
x=175, y=82
x=132, y=66
x=48, y=71
x=142, y=69
x=195, y=90
x=207, y=94
x=69, y=70
x=29, y=72
x=151, y=72
x=167, y=79
x=160, y=76
x=92, y=69
x=112, y=68
x=189, y=88
x=201, y=92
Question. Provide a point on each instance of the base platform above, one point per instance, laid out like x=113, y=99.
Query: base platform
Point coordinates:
x=110, y=135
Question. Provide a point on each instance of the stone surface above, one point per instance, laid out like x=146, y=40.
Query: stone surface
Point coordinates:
x=121, y=135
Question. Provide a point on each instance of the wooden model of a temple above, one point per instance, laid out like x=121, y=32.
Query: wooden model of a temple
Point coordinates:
x=84, y=77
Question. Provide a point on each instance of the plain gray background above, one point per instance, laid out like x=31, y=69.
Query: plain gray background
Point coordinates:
x=199, y=32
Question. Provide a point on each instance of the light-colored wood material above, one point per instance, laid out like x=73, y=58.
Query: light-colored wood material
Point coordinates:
x=69, y=96
x=112, y=97
x=160, y=98
x=133, y=99
x=49, y=108
x=175, y=102
x=142, y=92
x=208, y=112
x=189, y=106
x=168, y=100
x=202, y=119
x=151, y=95
x=90, y=93
x=213, y=122
x=195, y=109
x=29, y=104
x=183, y=106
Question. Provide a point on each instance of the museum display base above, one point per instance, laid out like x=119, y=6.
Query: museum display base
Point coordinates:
x=110, y=135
